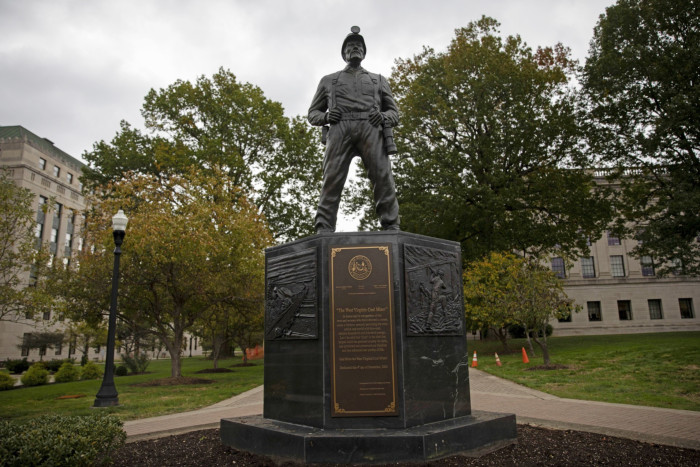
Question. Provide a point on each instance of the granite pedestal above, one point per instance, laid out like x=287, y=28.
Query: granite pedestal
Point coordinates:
x=365, y=354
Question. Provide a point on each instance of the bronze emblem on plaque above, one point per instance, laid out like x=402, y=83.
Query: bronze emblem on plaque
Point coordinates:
x=363, y=362
x=360, y=267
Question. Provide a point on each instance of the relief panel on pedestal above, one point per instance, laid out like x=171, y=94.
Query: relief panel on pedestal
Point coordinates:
x=291, y=310
x=433, y=292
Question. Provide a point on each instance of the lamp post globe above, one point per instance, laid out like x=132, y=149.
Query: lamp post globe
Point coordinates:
x=107, y=396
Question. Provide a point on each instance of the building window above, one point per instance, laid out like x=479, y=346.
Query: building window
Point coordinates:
x=56, y=171
x=647, y=266
x=594, y=313
x=47, y=315
x=59, y=348
x=677, y=266
x=624, y=310
x=69, y=177
x=686, y=306
x=612, y=241
x=57, y=215
x=617, y=266
x=558, y=267
x=42, y=350
x=42, y=163
x=588, y=267
x=655, y=309
x=40, y=219
x=25, y=346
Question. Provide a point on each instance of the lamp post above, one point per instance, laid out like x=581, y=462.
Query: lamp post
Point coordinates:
x=107, y=395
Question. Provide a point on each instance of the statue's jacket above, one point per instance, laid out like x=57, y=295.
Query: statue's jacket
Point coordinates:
x=356, y=92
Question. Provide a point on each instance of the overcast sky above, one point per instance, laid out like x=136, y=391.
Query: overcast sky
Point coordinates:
x=72, y=69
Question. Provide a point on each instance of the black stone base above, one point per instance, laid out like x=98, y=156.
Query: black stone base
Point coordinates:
x=475, y=434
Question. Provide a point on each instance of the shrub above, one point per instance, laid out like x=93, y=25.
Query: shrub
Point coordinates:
x=518, y=332
x=121, y=371
x=136, y=364
x=17, y=367
x=54, y=365
x=91, y=371
x=60, y=440
x=6, y=381
x=36, y=375
x=67, y=373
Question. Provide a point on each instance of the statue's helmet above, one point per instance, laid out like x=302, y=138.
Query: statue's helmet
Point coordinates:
x=354, y=34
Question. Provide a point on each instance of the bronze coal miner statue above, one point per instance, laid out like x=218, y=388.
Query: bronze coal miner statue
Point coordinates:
x=357, y=111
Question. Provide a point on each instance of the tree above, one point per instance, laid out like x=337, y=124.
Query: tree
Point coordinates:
x=233, y=322
x=487, y=294
x=491, y=147
x=538, y=297
x=19, y=253
x=505, y=289
x=219, y=125
x=641, y=79
x=83, y=335
x=190, y=242
x=41, y=341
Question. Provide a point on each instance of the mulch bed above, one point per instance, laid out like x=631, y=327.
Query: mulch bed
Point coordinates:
x=173, y=381
x=536, y=446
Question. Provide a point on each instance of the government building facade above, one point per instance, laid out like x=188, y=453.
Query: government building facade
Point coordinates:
x=36, y=164
x=621, y=294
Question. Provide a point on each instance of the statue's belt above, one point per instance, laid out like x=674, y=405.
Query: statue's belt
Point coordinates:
x=354, y=116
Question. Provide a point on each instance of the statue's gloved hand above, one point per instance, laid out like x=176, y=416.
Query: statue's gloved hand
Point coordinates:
x=334, y=116
x=375, y=117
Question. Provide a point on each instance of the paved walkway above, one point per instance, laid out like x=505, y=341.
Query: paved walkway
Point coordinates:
x=488, y=393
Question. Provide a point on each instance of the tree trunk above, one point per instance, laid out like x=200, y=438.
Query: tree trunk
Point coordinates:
x=502, y=335
x=529, y=342
x=217, y=343
x=543, y=346
x=175, y=348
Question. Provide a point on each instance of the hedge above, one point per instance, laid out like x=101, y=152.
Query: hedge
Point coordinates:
x=36, y=375
x=6, y=381
x=60, y=440
x=67, y=373
x=91, y=371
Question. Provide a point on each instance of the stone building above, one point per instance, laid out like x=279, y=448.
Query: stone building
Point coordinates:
x=621, y=294
x=36, y=164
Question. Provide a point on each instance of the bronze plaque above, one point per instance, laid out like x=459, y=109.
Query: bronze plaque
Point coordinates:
x=363, y=373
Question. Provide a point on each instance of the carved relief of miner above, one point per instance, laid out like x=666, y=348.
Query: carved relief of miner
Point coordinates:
x=360, y=111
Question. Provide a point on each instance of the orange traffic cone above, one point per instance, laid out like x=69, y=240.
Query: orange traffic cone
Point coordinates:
x=475, y=362
x=525, y=359
x=498, y=360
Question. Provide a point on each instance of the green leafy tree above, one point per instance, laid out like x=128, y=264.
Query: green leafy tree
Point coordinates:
x=19, y=254
x=505, y=289
x=491, y=149
x=41, y=341
x=229, y=323
x=641, y=79
x=487, y=294
x=191, y=241
x=538, y=297
x=220, y=125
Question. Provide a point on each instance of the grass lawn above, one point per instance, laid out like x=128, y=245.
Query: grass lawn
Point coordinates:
x=659, y=370
x=136, y=402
